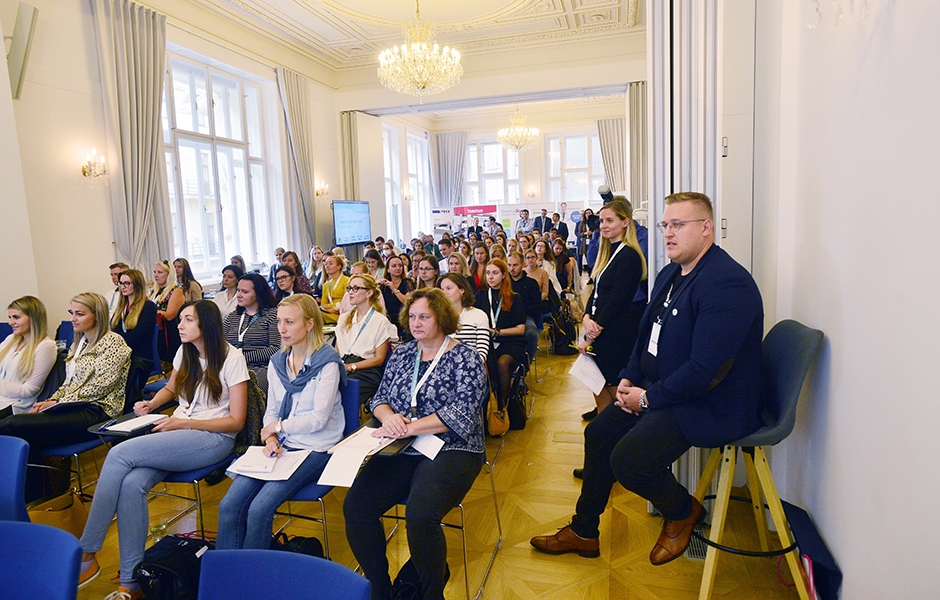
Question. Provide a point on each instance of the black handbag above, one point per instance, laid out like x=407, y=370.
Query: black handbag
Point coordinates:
x=170, y=569
x=310, y=546
x=407, y=585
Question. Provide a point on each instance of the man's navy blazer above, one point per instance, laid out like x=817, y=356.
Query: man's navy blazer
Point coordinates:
x=709, y=356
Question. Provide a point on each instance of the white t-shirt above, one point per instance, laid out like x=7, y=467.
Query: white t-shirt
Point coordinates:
x=22, y=394
x=374, y=333
x=225, y=305
x=234, y=371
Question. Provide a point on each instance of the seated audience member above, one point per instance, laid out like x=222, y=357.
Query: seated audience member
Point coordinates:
x=136, y=318
x=466, y=250
x=278, y=256
x=287, y=284
x=544, y=251
x=395, y=287
x=252, y=326
x=534, y=270
x=209, y=379
x=530, y=296
x=376, y=264
x=333, y=288
x=564, y=266
x=290, y=259
x=507, y=326
x=26, y=356
x=701, y=386
x=481, y=256
x=498, y=251
x=429, y=271
x=192, y=291
x=415, y=259
x=363, y=334
x=305, y=412
x=226, y=298
x=116, y=269
x=446, y=248
x=93, y=391
x=313, y=270
x=444, y=398
x=456, y=263
x=239, y=262
x=474, y=327
x=169, y=300
x=512, y=245
x=359, y=268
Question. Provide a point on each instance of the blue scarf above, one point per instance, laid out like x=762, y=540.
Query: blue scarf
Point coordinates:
x=312, y=367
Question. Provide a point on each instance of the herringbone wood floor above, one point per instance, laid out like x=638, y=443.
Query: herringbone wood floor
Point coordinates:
x=536, y=495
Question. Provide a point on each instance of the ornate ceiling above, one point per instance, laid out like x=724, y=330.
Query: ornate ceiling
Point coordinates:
x=349, y=34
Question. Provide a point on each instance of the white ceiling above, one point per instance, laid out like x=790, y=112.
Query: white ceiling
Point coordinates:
x=349, y=34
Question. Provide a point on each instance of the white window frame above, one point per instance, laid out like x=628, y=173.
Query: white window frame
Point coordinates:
x=594, y=178
x=504, y=174
x=419, y=183
x=392, y=168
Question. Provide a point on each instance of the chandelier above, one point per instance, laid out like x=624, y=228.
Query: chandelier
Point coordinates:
x=518, y=136
x=419, y=67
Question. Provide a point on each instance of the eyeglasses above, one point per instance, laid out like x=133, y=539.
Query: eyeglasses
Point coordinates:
x=125, y=283
x=355, y=288
x=282, y=278
x=676, y=225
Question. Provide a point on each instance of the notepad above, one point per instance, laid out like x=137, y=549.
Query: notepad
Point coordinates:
x=588, y=374
x=255, y=460
x=136, y=423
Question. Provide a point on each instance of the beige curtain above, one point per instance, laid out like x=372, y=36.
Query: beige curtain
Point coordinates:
x=295, y=101
x=448, y=152
x=131, y=41
x=639, y=154
x=350, y=154
x=612, y=136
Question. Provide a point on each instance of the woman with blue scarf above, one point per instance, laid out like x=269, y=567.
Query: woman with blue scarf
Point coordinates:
x=304, y=412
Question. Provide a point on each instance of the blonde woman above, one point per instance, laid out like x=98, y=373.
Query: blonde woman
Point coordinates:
x=169, y=300
x=314, y=270
x=26, y=357
x=363, y=334
x=135, y=316
x=333, y=288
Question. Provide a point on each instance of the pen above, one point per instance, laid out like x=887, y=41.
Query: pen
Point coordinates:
x=280, y=444
x=108, y=424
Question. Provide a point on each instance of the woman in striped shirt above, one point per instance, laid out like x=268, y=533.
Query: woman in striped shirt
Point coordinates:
x=252, y=327
x=474, y=327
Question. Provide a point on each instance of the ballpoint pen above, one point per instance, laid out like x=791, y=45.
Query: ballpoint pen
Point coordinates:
x=108, y=424
x=280, y=444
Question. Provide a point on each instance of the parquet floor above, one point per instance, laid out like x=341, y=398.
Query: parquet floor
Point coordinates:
x=536, y=494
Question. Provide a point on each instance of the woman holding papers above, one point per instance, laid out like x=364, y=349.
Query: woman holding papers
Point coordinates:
x=611, y=319
x=26, y=357
x=210, y=380
x=433, y=388
x=363, y=334
x=304, y=412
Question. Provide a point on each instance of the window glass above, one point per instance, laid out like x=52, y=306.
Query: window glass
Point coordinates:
x=576, y=152
x=226, y=108
x=253, y=116
x=190, y=98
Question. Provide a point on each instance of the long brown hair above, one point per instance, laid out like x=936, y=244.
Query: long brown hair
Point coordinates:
x=190, y=374
x=137, y=301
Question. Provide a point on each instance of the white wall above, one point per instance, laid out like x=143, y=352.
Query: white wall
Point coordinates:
x=847, y=132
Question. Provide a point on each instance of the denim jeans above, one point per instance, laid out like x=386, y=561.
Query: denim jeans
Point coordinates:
x=432, y=487
x=531, y=337
x=131, y=469
x=637, y=451
x=246, y=514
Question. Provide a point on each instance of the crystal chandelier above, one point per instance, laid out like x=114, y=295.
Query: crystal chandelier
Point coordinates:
x=419, y=67
x=518, y=136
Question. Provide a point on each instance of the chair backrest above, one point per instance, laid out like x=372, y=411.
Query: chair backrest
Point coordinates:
x=55, y=577
x=65, y=333
x=788, y=352
x=157, y=367
x=350, y=395
x=12, y=479
x=5, y=331
x=137, y=374
x=227, y=574
x=56, y=376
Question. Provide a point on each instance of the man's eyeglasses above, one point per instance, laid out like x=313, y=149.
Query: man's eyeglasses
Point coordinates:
x=676, y=225
x=355, y=288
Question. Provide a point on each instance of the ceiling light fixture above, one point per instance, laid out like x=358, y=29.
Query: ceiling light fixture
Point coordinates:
x=518, y=137
x=419, y=67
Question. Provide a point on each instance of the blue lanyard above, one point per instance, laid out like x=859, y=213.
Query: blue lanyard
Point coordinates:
x=415, y=384
x=361, y=327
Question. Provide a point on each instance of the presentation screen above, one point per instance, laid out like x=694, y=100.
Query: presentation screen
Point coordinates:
x=351, y=224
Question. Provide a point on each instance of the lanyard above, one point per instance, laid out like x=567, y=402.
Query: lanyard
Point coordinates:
x=499, y=308
x=415, y=384
x=597, y=279
x=328, y=289
x=241, y=321
x=361, y=327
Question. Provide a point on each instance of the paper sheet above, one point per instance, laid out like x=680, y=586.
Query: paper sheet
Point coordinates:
x=428, y=445
x=284, y=466
x=586, y=372
x=343, y=466
x=136, y=423
x=362, y=439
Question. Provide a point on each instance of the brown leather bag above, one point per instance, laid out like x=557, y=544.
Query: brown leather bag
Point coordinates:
x=497, y=418
x=65, y=512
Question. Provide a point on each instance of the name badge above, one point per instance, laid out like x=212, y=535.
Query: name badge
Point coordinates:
x=654, y=339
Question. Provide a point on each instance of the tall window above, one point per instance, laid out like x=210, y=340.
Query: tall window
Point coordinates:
x=392, y=183
x=575, y=168
x=215, y=165
x=419, y=184
x=493, y=174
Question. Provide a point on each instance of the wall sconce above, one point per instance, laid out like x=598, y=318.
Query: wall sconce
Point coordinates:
x=406, y=195
x=323, y=189
x=531, y=192
x=94, y=165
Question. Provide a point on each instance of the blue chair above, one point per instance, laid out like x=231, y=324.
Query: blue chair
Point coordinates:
x=193, y=477
x=314, y=492
x=65, y=333
x=227, y=574
x=5, y=331
x=13, y=479
x=788, y=352
x=54, y=576
x=157, y=369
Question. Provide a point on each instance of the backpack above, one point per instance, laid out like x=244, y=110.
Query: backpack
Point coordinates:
x=518, y=393
x=170, y=569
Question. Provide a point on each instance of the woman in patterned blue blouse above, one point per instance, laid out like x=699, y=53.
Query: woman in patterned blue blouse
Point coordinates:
x=432, y=387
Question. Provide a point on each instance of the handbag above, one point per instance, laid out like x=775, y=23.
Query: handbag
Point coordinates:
x=66, y=512
x=170, y=569
x=310, y=546
x=497, y=419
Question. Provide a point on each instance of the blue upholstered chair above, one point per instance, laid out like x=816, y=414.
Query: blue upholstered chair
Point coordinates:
x=13, y=479
x=54, y=577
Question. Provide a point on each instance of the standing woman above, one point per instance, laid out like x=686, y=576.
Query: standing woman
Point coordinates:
x=429, y=270
x=285, y=278
x=290, y=259
x=611, y=319
x=135, y=317
x=507, y=325
x=314, y=271
x=192, y=291
x=376, y=264
x=26, y=357
x=583, y=232
x=564, y=266
x=481, y=256
x=305, y=412
x=432, y=386
x=362, y=335
x=252, y=327
x=395, y=287
x=93, y=391
x=209, y=379
x=169, y=300
x=474, y=324
x=225, y=299
x=333, y=288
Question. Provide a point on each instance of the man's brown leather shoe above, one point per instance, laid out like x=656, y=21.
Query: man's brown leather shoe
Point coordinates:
x=675, y=536
x=567, y=540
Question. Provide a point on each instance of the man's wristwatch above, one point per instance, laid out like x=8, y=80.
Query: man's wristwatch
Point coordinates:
x=643, y=404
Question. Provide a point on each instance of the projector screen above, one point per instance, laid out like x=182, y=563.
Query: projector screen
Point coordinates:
x=351, y=224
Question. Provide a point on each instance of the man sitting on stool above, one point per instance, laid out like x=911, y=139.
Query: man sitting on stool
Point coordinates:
x=693, y=380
